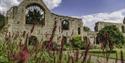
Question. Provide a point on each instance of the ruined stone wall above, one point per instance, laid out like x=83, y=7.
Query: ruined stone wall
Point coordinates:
x=92, y=36
x=74, y=24
x=17, y=21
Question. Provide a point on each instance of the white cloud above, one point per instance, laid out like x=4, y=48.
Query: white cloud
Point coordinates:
x=6, y=4
x=114, y=17
x=52, y=3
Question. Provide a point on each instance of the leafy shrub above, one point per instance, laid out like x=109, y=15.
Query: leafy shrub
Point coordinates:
x=77, y=42
x=86, y=29
x=96, y=46
x=2, y=21
x=110, y=37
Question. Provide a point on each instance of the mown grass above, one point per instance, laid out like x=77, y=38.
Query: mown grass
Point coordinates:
x=113, y=54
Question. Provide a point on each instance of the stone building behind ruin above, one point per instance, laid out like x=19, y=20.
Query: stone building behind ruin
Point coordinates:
x=100, y=25
x=120, y=26
x=29, y=12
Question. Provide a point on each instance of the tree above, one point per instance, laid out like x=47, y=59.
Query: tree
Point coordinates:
x=77, y=42
x=110, y=36
x=2, y=20
x=86, y=29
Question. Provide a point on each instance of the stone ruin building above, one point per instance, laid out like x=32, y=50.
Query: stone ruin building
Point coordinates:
x=34, y=12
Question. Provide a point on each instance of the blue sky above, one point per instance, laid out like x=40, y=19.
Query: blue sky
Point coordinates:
x=87, y=7
x=90, y=11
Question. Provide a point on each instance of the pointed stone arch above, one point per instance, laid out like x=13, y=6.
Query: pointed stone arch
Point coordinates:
x=65, y=25
x=35, y=14
x=35, y=4
x=40, y=3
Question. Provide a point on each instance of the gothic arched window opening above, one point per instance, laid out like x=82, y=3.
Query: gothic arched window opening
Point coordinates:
x=65, y=25
x=123, y=29
x=33, y=40
x=65, y=39
x=34, y=15
x=79, y=31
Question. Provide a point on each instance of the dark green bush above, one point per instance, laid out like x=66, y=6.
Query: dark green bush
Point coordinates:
x=77, y=43
x=2, y=21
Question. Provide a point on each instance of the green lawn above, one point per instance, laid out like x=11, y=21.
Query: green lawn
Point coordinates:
x=98, y=52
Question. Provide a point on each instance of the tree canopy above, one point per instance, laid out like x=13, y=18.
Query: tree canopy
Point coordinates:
x=86, y=29
x=77, y=42
x=110, y=35
x=2, y=20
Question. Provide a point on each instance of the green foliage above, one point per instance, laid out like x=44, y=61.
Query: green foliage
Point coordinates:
x=3, y=56
x=40, y=55
x=2, y=18
x=2, y=21
x=77, y=42
x=114, y=36
x=96, y=46
x=86, y=29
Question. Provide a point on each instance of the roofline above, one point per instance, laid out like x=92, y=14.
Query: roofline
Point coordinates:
x=66, y=16
x=108, y=22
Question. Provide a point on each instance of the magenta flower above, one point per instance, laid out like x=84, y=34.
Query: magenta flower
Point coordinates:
x=23, y=55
